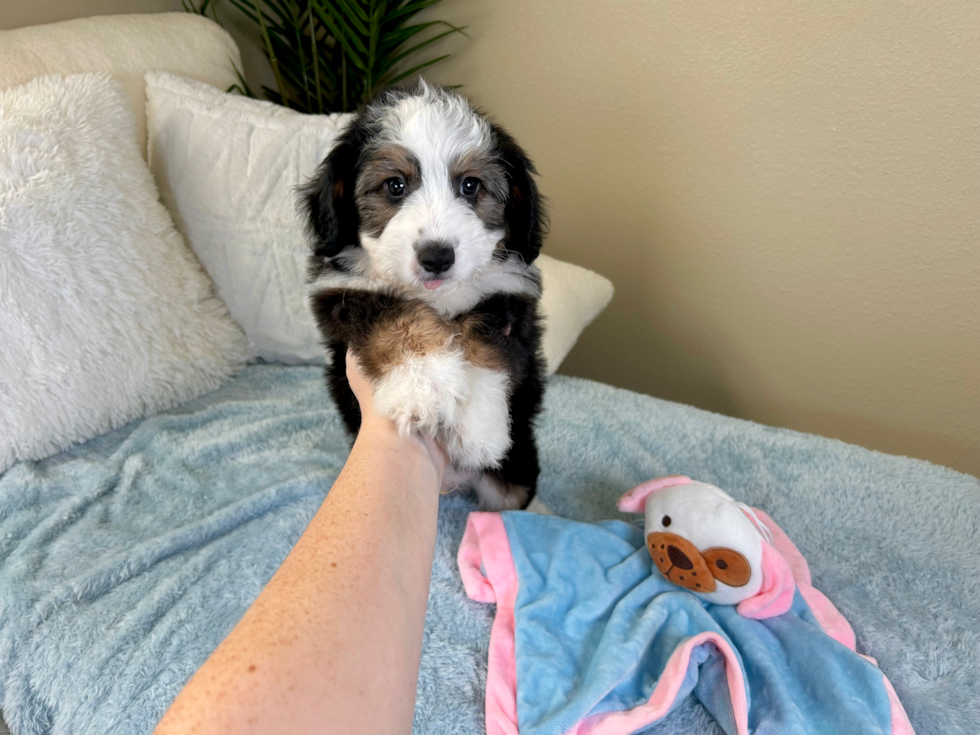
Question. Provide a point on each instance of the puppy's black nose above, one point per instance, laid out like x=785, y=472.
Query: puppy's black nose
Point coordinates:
x=436, y=257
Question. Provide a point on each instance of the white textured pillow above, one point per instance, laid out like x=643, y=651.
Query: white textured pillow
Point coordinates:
x=227, y=167
x=105, y=315
x=572, y=297
x=125, y=47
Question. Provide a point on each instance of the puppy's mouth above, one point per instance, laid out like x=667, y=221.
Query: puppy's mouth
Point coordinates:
x=435, y=281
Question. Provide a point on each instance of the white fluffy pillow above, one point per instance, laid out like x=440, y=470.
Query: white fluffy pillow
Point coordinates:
x=227, y=168
x=105, y=315
x=125, y=47
x=571, y=298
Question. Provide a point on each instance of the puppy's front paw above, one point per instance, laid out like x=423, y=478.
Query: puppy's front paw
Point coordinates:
x=480, y=436
x=424, y=393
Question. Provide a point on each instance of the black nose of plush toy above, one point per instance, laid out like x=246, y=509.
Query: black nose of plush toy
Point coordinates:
x=678, y=558
x=436, y=257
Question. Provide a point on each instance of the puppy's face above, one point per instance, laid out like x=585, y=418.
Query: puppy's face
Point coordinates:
x=424, y=193
x=430, y=194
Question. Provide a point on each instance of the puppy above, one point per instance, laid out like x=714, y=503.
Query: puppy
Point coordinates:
x=425, y=220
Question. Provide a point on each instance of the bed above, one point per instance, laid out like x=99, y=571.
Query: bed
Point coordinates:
x=124, y=561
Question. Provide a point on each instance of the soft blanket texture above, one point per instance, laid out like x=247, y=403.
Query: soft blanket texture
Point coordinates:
x=125, y=561
x=105, y=315
x=591, y=639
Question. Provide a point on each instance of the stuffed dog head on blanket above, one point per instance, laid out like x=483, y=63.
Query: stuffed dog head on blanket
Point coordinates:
x=701, y=539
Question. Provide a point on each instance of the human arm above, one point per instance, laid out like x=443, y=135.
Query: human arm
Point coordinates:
x=333, y=642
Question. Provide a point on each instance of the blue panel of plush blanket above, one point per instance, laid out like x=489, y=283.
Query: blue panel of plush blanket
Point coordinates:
x=125, y=561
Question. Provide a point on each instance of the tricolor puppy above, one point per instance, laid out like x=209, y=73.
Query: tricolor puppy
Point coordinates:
x=425, y=221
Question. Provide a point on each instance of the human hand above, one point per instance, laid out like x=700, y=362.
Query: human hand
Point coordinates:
x=371, y=421
x=361, y=386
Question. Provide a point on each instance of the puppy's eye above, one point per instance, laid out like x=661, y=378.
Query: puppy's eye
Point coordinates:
x=469, y=186
x=395, y=187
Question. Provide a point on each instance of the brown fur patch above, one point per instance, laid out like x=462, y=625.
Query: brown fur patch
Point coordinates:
x=374, y=205
x=481, y=354
x=479, y=350
x=489, y=202
x=418, y=330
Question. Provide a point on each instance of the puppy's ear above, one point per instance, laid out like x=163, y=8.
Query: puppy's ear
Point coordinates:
x=328, y=200
x=524, y=212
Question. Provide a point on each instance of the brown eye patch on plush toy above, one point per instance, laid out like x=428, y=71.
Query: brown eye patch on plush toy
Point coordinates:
x=683, y=564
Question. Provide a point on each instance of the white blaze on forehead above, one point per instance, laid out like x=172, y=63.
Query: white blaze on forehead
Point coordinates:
x=438, y=127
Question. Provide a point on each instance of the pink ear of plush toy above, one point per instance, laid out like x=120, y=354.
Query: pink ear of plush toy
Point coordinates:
x=701, y=539
x=635, y=500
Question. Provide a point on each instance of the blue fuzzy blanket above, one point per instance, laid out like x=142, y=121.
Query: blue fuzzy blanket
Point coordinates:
x=125, y=561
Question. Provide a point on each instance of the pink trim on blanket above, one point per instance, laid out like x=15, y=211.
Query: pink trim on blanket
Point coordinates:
x=486, y=565
x=668, y=686
x=486, y=548
x=470, y=560
x=833, y=623
x=901, y=725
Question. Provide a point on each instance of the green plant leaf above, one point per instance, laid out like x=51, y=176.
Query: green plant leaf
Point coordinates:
x=416, y=69
x=270, y=51
x=355, y=6
x=398, y=37
x=346, y=40
x=408, y=10
x=329, y=55
x=416, y=48
x=244, y=10
x=315, y=55
x=351, y=16
x=285, y=12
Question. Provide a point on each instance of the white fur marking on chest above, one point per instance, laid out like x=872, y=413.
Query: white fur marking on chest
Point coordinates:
x=441, y=395
x=481, y=435
x=424, y=393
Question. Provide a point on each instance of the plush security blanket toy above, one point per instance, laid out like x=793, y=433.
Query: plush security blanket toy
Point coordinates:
x=590, y=637
x=701, y=539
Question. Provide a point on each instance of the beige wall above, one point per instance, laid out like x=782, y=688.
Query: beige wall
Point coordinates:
x=786, y=195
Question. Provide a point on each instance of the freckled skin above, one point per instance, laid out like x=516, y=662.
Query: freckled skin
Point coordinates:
x=299, y=660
